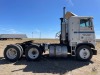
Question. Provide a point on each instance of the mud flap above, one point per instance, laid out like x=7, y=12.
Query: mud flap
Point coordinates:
x=94, y=52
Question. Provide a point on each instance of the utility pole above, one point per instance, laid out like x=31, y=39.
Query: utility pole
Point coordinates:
x=40, y=34
x=32, y=34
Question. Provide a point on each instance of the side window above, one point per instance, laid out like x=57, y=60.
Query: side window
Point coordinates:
x=85, y=23
x=82, y=23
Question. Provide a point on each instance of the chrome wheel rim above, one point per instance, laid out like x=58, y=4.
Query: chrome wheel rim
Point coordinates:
x=11, y=53
x=33, y=53
x=84, y=53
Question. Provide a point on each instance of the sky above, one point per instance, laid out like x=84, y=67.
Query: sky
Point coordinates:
x=35, y=17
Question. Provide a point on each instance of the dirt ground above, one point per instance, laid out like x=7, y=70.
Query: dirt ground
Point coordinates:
x=49, y=66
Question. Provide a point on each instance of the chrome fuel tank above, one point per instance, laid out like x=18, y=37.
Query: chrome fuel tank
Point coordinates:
x=58, y=51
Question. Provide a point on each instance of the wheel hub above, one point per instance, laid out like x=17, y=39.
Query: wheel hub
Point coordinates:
x=33, y=53
x=11, y=53
x=84, y=53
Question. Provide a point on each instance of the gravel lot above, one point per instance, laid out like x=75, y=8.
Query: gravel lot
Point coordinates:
x=49, y=66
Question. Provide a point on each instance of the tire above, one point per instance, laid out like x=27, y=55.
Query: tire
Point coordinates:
x=33, y=56
x=84, y=53
x=20, y=49
x=9, y=56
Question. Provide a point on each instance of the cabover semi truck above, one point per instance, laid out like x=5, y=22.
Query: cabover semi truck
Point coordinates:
x=77, y=38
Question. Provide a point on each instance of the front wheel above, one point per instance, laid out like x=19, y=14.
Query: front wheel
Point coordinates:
x=84, y=53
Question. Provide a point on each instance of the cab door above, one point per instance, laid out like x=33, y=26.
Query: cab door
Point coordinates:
x=86, y=30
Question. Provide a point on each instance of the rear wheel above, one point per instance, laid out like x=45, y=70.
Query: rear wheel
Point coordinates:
x=84, y=53
x=33, y=53
x=20, y=47
x=12, y=53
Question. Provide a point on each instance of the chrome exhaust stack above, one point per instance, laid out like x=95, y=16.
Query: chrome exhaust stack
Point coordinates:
x=63, y=27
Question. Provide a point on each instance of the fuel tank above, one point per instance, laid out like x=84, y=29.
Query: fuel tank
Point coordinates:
x=58, y=51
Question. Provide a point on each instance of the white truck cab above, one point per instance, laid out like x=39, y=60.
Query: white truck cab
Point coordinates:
x=81, y=30
x=81, y=34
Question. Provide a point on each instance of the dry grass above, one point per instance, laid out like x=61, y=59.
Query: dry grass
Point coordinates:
x=57, y=66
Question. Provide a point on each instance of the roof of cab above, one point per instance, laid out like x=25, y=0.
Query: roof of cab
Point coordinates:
x=70, y=14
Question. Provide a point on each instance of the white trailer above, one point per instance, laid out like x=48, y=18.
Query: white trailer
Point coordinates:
x=77, y=38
